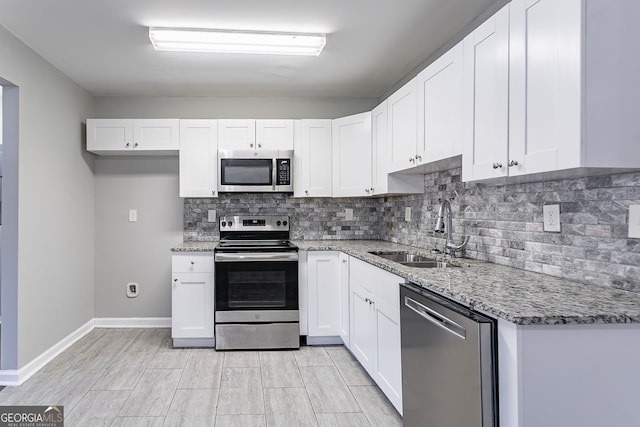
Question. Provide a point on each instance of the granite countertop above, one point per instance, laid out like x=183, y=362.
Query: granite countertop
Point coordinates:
x=518, y=296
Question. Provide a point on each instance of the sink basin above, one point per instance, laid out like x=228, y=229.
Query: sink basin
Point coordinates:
x=412, y=260
x=401, y=258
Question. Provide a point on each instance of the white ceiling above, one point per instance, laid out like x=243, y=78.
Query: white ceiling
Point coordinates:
x=103, y=45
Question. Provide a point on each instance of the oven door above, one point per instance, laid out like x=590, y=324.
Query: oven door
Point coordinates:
x=256, y=287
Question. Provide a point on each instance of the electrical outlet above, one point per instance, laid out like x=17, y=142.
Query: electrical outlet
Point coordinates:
x=132, y=290
x=133, y=215
x=407, y=213
x=634, y=221
x=211, y=215
x=348, y=214
x=551, y=218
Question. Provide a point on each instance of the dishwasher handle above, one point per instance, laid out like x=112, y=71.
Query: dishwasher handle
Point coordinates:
x=438, y=319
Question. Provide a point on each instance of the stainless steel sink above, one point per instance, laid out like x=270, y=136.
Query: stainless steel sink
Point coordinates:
x=412, y=260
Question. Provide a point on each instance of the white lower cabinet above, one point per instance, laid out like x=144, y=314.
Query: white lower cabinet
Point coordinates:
x=375, y=326
x=192, y=300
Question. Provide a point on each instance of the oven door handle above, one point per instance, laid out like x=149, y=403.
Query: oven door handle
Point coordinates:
x=257, y=256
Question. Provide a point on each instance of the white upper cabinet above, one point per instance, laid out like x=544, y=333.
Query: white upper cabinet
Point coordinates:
x=351, y=150
x=486, y=99
x=439, y=88
x=403, y=127
x=383, y=181
x=133, y=136
x=312, y=158
x=249, y=134
x=198, y=158
x=552, y=87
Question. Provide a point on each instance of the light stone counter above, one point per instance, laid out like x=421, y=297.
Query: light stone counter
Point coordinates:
x=518, y=296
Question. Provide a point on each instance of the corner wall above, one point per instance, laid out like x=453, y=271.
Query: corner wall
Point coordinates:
x=55, y=206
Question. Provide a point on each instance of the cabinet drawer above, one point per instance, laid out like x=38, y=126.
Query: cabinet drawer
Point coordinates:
x=192, y=263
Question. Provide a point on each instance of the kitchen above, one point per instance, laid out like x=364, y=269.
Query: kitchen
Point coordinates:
x=96, y=230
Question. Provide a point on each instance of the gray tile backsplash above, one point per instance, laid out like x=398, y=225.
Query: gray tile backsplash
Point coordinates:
x=503, y=220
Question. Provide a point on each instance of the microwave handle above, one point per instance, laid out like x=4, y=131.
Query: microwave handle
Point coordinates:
x=274, y=171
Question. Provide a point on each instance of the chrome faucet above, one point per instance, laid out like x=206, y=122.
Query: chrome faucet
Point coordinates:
x=449, y=247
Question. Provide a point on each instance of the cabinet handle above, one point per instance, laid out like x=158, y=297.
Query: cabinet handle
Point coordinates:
x=513, y=163
x=259, y=145
x=411, y=160
x=193, y=263
x=306, y=192
x=135, y=144
x=366, y=190
x=344, y=261
x=497, y=165
x=213, y=192
x=371, y=190
x=418, y=158
x=128, y=145
x=251, y=145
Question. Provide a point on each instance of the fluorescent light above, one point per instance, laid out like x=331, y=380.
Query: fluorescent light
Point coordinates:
x=224, y=41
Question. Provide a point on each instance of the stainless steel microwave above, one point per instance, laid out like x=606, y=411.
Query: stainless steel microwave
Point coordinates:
x=259, y=171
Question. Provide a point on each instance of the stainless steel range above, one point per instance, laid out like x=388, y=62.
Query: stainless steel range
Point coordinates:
x=256, y=290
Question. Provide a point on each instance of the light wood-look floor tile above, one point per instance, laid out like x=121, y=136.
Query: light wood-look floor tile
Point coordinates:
x=344, y=419
x=241, y=378
x=125, y=372
x=240, y=401
x=241, y=421
x=312, y=356
x=138, y=422
x=193, y=408
x=327, y=390
x=152, y=395
x=376, y=407
x=97, y=408
x=350, y=369
x=170, y=359
x=203, y=369
x=241, y=359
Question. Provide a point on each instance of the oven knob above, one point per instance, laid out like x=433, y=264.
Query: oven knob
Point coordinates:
x=230, y=223
x=284, y=223
x=223, y=223
x=278, y=223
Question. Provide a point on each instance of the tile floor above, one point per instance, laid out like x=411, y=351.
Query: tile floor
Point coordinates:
x=132, y=377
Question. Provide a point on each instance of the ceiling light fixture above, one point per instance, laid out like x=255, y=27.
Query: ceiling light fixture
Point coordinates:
x=225, y=41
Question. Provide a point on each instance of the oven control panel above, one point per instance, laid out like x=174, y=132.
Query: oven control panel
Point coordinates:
x=254, y=223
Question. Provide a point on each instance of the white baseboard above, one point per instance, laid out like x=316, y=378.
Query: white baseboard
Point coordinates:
x=323, y=340
x=14, y=377
x=133, y=322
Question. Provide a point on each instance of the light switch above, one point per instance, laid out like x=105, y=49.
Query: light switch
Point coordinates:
x=407, y=213
x=634, y=221
x=551, y=218
x=211, y=215
x=133, y=215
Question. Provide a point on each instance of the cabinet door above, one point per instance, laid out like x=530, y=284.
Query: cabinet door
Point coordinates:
x=486, y=99
x=109, y=135
x=236, y=134
x=274, y=134
x=351, y=150
x=192, y=305
x=381, y=149
x=198, y=158
x=545, y=85
x=403, y=127
x=387, y=370
x=312, y=156
x=325, y=289
x=344, y=300
x=439, y=107
x=362, y=334
x=156, y=135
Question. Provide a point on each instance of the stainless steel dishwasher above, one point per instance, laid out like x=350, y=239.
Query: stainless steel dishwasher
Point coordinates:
x=448, y=362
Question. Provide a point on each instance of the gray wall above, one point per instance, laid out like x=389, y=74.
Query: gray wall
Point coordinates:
x=136, y=251
x=52, y=289
x=229, y=108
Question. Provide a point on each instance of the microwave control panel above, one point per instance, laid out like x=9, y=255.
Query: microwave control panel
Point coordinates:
x=284, y=171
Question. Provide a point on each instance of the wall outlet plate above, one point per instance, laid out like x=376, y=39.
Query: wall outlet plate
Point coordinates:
x=551, y=218
x=211, y=215
x=634, y=221
x=132, y=289
x=407, y=213
x=348, y=214
x=133, y=215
